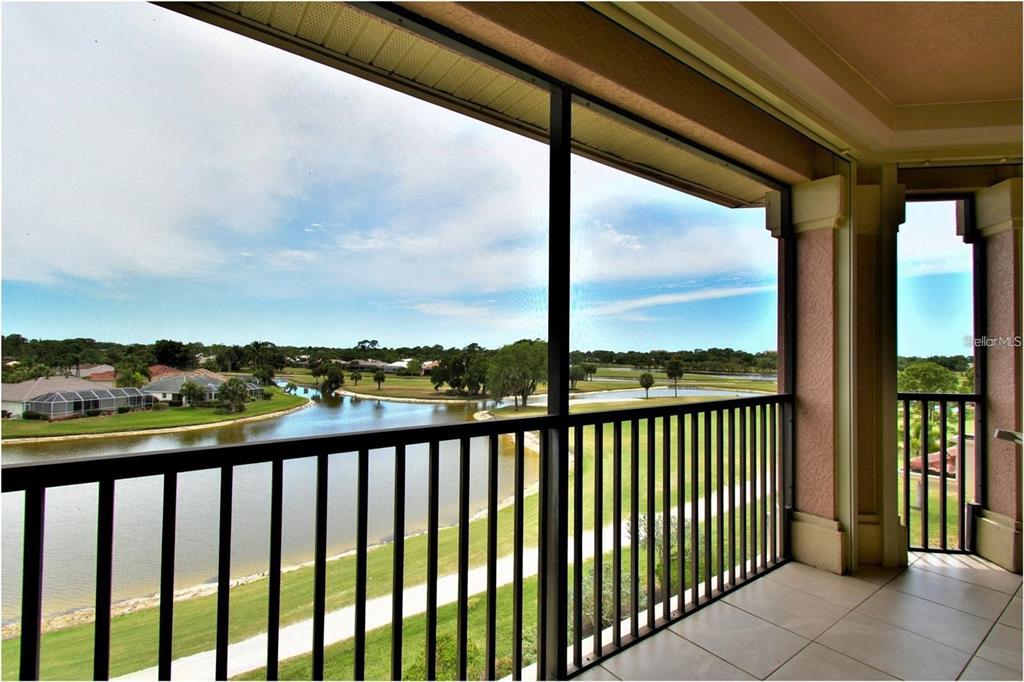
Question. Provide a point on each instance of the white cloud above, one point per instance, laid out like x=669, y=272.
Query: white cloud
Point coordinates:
x=927, y=243
x=630, y=306
x=168, y=141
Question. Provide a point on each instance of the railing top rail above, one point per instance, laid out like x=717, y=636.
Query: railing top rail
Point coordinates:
x=935, y=397
x=589, y=418
x=25, y=475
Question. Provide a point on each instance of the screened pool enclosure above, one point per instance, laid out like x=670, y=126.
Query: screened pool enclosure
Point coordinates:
x=65, y=404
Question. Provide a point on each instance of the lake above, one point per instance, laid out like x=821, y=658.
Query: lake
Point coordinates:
x=70, y=540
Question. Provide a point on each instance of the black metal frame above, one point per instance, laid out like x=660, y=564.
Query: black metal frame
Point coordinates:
x=553, y=587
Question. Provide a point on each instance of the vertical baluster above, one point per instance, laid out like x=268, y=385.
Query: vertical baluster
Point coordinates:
x=924, y=474
x=598, y=535
x=577, y=547
x=462, y=633
x=617, y=531
x=943, y=476
x=104, y=565
x=694, y=499
x=753, y=489
x=651, y=573
x=762, y=514
x=720, y=495
x=517, y=575
x=433, y=481
x=634, y=528
x=681, y=508
x=743, y=491
x=731, y=421
x=320, y=567
x=961, y=502
x=170, y=510
x=398, y=565
x=492, y=556
x=773, y=452
x=32, y=583
x=362, y=539
x=224, y=572
x=906, y=468
x=708, y=491
x=666, y=517
x=274, y=568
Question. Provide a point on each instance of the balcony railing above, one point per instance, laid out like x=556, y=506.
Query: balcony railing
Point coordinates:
x=665, y=509
x=937, y=458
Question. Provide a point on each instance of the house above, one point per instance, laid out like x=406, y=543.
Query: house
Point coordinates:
x=367, y=365
x=155, y=372
x=58, y=405
x=14, y=395
x=429, y=366
x=952, y=457
x=168, y=388
x=397, y=366
x=86, y=370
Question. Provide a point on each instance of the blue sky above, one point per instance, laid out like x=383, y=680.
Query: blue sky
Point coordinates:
x=164, y=178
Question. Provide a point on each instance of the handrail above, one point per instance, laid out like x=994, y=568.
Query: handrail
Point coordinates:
x=24, y=475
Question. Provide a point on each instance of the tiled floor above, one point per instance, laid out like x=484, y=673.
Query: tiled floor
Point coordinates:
x=944, y=617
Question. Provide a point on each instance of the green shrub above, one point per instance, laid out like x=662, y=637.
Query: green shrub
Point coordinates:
x=124, y=409
x=92, y=413
x=29, y=414
x=160, y=406
x=266, y=395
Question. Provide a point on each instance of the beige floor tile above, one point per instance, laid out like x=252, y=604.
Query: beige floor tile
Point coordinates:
x=744, y=640
x=878, y=575
x=596, y=674
x=1003, y=646
x=941, y=623
x=970, y=569
x=817, y=662
x=974, y=599
x=893, y=650
x=980, y=669
x=838, y=589
x=667, y=656
x=799, y=612
x=1012, y=615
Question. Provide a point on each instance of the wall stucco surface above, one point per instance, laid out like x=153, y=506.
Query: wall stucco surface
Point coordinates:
x=814, y=468
x=1004, y=371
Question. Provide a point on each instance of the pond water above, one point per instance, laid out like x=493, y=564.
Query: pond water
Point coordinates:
x=70, y=540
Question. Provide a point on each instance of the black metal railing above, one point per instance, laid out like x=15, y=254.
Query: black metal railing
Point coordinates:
x=721, y=470
x=938, y=455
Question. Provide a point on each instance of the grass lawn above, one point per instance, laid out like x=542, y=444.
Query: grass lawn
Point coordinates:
x=139, y=421
x=934, y=507
x=67, y=654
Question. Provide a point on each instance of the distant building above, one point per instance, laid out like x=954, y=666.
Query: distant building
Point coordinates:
x=14, y=395
x=88, y=369
x=429, y=366
x=398, y=366
x=155, y=372
x=168, y=388
x=367, y=365
x=58, y=405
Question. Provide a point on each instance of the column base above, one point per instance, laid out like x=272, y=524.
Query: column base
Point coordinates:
x=871, y=542
x=819, y=542
x=998, y=539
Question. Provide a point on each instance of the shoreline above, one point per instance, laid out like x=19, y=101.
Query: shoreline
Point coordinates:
x=422, y=401
x=147, y=432
x=86, y=615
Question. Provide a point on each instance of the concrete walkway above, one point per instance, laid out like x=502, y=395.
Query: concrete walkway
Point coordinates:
x=296, y=639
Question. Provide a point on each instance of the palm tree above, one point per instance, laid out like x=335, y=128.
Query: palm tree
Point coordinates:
x=356, y=376
x=290, y=388
x=232, y=395
x=379, y=377
x=192, y=393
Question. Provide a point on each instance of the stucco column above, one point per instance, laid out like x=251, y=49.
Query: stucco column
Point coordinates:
x=821, y=228
x=998, y=226
x=879, y=208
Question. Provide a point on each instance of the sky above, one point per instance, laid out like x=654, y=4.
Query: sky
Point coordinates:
x=163, y=178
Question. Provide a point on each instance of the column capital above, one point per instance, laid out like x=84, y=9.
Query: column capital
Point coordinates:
x=820, y=204
x=998, y=208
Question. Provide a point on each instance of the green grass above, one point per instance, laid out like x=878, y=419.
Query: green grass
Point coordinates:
x=66, y=654
x=934, y=509
x=141, y=421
